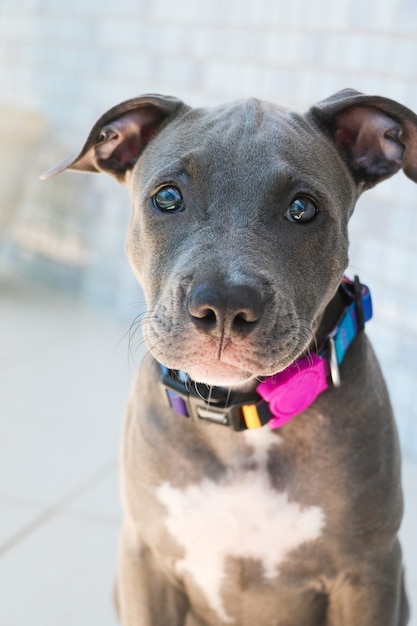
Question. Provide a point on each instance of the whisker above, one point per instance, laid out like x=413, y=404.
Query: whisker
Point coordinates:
x=187, y=384
x=198, y=392
x=229, y=393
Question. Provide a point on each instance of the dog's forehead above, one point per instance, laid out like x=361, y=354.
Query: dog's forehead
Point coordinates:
x=249, y=115
x=241, y=135
x=237, y=123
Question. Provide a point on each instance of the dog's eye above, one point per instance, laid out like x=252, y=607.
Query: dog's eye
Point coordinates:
x=168, y=199
x=302, y=209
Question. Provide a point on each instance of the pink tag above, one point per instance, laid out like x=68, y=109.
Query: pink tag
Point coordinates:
x=293, y=390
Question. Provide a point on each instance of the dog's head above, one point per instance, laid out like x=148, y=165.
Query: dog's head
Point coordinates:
x=239, y=218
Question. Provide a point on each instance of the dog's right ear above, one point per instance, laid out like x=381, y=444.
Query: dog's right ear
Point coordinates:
x=118, y=138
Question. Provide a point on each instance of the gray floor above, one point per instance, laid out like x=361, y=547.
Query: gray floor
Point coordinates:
x=65, y=375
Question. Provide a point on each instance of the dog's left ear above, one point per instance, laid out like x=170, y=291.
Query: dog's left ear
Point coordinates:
x=376, y=136
x=118, y=138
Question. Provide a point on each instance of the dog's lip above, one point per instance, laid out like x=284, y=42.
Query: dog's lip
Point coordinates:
x=221, y=374
x=229, y=375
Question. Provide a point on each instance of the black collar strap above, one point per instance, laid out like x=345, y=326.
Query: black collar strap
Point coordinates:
x=281, y=397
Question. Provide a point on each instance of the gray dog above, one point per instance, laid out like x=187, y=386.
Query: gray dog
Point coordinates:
x=261, y=471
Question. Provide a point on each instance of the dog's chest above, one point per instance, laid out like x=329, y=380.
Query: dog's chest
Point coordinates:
x=242, y=519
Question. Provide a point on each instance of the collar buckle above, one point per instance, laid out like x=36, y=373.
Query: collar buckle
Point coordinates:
x=202, y=404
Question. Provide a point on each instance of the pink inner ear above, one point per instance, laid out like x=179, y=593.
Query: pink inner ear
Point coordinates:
x=130, y=150
x=127, y=137
x=371, y=140
x=123, y=150
x=343, y=137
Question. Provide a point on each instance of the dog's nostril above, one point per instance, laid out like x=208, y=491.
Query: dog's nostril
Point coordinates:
x=229, y=308
x=244, y=318
x=205, y=314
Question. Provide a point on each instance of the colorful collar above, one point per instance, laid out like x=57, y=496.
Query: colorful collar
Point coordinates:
x=280, y=397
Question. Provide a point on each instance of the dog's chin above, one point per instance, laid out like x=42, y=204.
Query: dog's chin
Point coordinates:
x=222, y=375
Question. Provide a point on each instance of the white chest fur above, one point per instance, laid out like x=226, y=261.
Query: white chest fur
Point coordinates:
x=242, y=517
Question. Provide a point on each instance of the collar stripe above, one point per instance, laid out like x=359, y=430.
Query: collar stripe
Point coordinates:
x=251, y=416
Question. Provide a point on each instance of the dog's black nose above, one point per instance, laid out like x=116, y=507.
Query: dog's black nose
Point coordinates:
x=224, y=308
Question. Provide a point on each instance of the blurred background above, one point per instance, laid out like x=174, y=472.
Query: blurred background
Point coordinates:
x=67, y=296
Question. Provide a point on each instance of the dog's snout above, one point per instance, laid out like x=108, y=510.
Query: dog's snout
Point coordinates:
x=229, y=309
